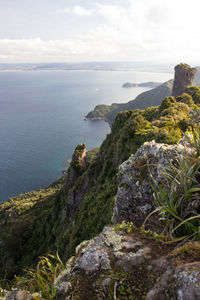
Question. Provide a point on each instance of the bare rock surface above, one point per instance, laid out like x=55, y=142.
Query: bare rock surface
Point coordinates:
x=134, y=199
x=116, y=264
x=184, y=77
x=19, y=295
x=181, y=283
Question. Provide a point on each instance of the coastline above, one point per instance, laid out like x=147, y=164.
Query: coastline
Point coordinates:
x=98, y=119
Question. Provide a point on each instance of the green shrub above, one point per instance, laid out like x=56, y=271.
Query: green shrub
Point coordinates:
x=167, y=102
x=185, y=98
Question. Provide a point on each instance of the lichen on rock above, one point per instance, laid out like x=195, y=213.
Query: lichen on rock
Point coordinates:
x=134, y=199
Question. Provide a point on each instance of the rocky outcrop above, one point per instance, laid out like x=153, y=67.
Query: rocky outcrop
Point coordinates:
x=126, y=262
x=184, y=281
x=77, y=165
x=121, y=265
x=75, y=193
x=184, y=77
x=134, y=199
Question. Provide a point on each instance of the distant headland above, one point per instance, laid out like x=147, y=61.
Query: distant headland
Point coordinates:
x=149, y=84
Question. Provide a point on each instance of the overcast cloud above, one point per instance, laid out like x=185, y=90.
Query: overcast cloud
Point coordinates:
x=130, y=30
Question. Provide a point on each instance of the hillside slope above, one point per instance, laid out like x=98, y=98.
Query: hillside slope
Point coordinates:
x=149, y=98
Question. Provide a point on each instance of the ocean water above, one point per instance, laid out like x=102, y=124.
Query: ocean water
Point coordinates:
x=42, y=120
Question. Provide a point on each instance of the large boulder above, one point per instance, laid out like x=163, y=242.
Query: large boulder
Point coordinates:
x=134, y=199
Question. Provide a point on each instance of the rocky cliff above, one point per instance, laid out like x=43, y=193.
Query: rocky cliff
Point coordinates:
x=79, y=206
x=129, y=262
x=184, y=77
x=134, y=199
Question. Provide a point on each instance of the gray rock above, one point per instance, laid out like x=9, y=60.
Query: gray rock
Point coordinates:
x=184, y=77
x=93, y=259
x=132, y=259
x=181, y=283
x=188, y=281
x=104, y=261
x=19, y=295
x=134, y=199
x=159, y=265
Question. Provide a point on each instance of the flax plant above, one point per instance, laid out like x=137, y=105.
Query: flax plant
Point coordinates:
x=42, y=278
x=177, y=198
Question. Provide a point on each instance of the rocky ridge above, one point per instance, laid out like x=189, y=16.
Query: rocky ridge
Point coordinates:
x=124, y=262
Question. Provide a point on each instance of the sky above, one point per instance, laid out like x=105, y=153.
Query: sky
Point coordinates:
x=160, y=31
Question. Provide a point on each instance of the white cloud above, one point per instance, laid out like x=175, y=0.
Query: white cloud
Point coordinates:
x=81, y=11
x=146, y=30
x=77, y=10
x=38, y=50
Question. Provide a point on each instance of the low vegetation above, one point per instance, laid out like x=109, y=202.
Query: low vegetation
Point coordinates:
x=41, y=279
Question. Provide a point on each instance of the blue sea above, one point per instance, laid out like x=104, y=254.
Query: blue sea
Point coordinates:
x=42, y=120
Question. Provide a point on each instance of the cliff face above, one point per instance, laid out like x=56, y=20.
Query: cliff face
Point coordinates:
x=184, y=77
x=125, y=262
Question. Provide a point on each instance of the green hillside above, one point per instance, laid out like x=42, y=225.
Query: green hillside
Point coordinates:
x=150, y=98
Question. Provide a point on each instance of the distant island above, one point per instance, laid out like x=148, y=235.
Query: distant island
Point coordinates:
x=149, y=84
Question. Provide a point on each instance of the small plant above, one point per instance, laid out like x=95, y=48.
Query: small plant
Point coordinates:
x=153, y=235
x=125, y=226
x=42, y=278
